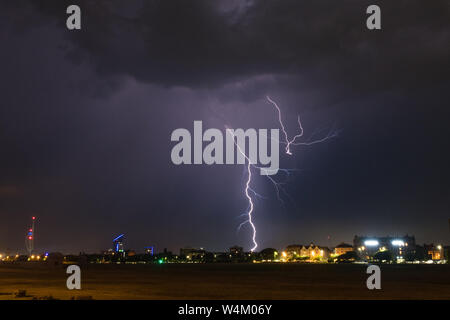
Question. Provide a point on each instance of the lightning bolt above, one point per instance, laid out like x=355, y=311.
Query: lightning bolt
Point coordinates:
x=248, y=190
x=250, y=210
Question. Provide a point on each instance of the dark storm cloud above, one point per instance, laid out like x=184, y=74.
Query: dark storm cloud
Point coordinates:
x=209, y=43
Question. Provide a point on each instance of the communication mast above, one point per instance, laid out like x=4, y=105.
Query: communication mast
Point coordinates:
x=29, y=240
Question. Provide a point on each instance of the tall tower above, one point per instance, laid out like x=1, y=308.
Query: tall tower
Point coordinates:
x=118, y=244
x=29, y=240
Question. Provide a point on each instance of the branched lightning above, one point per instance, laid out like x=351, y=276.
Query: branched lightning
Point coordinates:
x=286, y=137
x=248, y=190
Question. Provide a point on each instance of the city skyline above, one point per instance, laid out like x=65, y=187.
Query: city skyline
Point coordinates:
x=330, y=243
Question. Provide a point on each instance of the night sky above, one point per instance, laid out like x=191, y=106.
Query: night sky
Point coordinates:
x=86, y=118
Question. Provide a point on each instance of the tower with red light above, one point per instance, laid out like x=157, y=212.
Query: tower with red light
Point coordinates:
x=29, y=240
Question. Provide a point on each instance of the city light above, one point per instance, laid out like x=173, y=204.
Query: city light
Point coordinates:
x=398, y=243
x=371, y=243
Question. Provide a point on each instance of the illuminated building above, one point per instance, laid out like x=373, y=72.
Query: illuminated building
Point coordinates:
x=342, y=248
x=399, y=247
x=149, y=250
x=317, y=252
x=434, y=252
x=236, y=251
x=192, y=253
x=293, y=251
x=310, y=252
x=118, y=244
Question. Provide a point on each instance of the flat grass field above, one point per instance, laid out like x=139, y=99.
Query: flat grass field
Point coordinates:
x=226, y=281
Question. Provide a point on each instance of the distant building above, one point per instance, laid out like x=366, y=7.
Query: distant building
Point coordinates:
x=236, y=251
x=399, y=247
x=221, y=257
x=192, y=253
x=434, y=252
x=310, y=252
x=236, y=254
x=293, y=250
x=149, y=250
x=342, y=248
x=108, y=252
x=118, y=245
x=315, y=252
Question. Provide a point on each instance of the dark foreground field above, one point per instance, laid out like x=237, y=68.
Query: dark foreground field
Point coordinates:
x=228, y=281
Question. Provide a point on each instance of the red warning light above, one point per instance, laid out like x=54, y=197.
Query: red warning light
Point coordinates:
x=30, y=238
x=31, y=230
x=34, y=218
